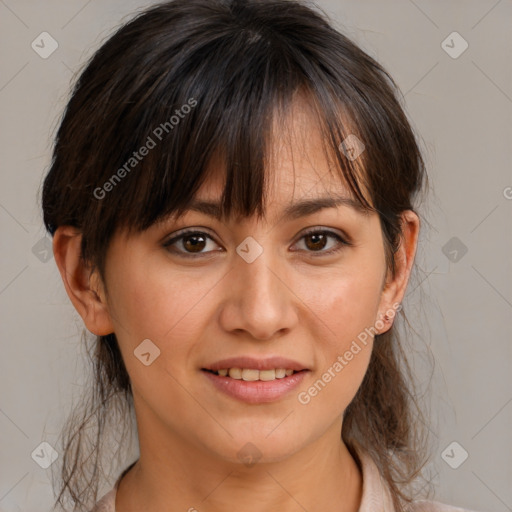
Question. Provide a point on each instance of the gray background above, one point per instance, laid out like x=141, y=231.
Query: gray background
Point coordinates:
x=461, y=107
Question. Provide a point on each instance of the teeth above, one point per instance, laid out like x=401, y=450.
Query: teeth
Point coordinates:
x=235, y=373
x=251, y=375
x=267, y=374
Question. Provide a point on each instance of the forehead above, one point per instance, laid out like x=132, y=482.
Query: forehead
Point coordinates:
x=299, y=163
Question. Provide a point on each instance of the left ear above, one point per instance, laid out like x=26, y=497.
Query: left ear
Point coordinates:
x=394, y=288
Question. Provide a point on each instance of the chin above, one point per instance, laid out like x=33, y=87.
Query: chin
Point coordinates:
x=257, y=446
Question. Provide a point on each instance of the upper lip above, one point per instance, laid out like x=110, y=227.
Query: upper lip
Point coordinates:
x=248, y=362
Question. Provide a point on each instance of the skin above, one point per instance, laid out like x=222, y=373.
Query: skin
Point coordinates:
x=291, y=301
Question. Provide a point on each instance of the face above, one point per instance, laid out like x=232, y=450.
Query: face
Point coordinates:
x=306, y=289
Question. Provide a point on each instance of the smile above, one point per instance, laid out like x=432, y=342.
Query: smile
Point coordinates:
x=252, y=375
x=255, y=386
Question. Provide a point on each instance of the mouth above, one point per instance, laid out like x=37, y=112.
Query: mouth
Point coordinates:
x=255, y=381
x=252, y=374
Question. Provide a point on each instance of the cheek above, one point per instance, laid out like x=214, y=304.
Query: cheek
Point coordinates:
x=345, y=305
x=167, y=308
x=345, y=300
x=160, y=304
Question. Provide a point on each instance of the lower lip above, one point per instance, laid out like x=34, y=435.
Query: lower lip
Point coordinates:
x=256, y=392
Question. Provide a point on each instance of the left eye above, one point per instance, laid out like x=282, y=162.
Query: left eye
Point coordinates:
x=317, y=240
x=193, y=243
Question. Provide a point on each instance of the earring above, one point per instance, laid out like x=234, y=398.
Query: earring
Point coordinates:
x=384, y=320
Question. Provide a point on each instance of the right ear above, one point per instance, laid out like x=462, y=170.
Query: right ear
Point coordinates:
x=83, y=287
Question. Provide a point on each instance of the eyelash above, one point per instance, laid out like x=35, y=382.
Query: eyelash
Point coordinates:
x=342, y=242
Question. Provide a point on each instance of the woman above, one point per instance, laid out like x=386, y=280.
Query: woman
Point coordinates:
x=231, y=204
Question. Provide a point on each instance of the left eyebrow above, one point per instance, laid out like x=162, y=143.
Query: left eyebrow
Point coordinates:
x=310, y=206
x=294, y=211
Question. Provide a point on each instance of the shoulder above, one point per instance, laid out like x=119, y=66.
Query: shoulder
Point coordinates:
x=435, y=506
x=376, y=493
x=107, y=503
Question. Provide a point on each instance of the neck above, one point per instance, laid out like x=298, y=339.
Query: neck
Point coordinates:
x=176, y=476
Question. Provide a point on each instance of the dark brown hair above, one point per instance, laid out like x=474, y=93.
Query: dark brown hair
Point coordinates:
x=191, y=79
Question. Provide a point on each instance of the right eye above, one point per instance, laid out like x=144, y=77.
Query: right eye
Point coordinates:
x=192, y=243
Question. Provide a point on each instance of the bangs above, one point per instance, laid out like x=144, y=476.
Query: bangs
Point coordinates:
x=195, y=104
x=212, y=82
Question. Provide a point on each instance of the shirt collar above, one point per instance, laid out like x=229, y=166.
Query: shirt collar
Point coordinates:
x=376, y=496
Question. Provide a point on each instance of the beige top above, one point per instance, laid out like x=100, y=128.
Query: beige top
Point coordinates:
x=375, y=497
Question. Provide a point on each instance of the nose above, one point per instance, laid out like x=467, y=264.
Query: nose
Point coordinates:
x=259, y=299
